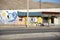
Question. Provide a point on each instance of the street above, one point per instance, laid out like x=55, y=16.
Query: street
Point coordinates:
x=27, y=30
x=30, y=34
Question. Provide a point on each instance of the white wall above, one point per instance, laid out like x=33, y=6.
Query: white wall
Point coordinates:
x=56, y=21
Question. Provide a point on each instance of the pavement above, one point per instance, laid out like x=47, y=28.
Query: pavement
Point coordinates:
x=24, y=30
x=29, y=27
x=32, y=36
x=30, y=33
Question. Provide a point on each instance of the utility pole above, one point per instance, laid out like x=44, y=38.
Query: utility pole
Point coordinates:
x=40, y=4
x=27, y=13
x=48, y=20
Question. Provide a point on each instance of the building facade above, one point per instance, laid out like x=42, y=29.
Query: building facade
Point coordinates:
x=52, y=17
x=34, y=18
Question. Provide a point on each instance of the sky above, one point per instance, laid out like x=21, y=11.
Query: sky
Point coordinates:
x=54, y=1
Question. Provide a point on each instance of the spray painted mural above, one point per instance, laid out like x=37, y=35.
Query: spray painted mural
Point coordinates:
x=7, y=17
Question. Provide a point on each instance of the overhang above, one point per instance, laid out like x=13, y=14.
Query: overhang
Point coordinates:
x=30, y=14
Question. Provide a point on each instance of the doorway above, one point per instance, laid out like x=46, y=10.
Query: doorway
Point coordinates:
x=45, y=19
x=52, y=19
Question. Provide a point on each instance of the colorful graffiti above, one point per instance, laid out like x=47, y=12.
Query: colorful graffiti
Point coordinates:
x=11, y=16
x=8, y=16
x=33, y=19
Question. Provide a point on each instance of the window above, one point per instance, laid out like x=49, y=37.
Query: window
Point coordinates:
x=20, y=18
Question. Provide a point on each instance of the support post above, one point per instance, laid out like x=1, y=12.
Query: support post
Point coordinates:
x=40, y=4
x=48, y=20
x=27, y=13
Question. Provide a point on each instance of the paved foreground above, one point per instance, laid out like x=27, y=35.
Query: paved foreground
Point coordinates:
x=27, y=30
x=32, y=36
x=30, y=33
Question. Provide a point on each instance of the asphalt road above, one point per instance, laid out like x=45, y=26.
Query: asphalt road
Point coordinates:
x=27, y=30
x=32, y=36
x=56, y=38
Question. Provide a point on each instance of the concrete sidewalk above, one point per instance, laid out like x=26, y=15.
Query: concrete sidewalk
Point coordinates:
x=24, y=27
x=30, y=35
x=29, y=27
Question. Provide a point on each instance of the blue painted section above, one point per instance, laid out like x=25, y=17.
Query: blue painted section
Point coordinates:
x=12, y=15
x=54, y=1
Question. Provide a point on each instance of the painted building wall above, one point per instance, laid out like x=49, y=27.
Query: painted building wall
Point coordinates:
x=21, y=21
x=59, y=20
x=40, y=20
x=36, y=20
x=11, y=17
x=49, y=20
x=32, y=21
x=8, y=17
x=56, y=21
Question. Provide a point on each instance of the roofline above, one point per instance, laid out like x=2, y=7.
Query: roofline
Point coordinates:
x=40, y=10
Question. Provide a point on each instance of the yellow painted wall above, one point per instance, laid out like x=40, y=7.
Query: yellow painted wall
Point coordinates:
x=49, y=20
x=25, y=20
x=3, y=14
x=40, y=20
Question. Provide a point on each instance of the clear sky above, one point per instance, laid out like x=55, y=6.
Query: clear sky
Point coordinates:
x=54, y=1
